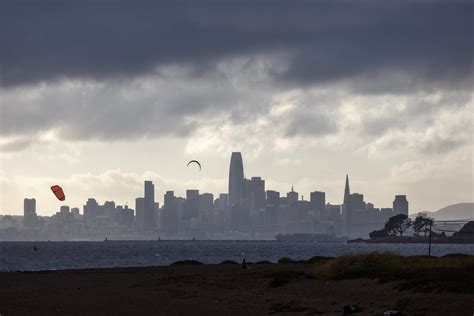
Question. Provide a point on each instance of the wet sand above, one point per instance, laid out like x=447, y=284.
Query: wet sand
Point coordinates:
x=224, y=289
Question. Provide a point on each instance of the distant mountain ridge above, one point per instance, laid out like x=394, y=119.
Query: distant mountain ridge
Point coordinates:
x=454, y=212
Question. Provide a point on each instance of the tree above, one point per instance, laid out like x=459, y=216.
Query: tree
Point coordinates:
x=422, y=225
x=397, y=224
x=378, y=233
x=428, y=223
x=418, y=225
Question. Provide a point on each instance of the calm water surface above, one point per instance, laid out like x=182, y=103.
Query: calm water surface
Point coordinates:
x=16, y=256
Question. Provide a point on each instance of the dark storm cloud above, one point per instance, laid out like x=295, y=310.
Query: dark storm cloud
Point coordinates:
x=110, y=111
x=325, y=40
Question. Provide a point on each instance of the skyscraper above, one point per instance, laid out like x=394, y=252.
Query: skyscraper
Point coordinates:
x=357, y=202
x=192, y=194
x=191, y=205
x=170, y=209
x=140, y=209
x=400, y=205
x=222, y=202
x=292, y=196
x=318, y=202
x=273, y=198
x=157, y=216
x=90, y=212
x=30, y=219
x=127, y=217
x=347, y=207
x=257, y=194
x=75, y=212
x=206, y=202
x=109, y=210
x=64, y=209
x=149, y=210
x=236, y=177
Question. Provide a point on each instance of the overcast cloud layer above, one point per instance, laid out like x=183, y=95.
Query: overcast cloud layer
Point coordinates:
x=324, y=40
x=105, y=93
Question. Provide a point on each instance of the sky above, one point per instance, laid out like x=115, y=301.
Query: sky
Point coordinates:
x=99, y=96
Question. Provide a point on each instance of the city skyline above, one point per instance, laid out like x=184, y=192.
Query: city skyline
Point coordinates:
x=139, y=200
x=182, y=193
x=150, y=190
x=246, y=211
x=331, y=89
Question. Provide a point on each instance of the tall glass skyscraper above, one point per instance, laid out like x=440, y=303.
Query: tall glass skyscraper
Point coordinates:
x=236, y=177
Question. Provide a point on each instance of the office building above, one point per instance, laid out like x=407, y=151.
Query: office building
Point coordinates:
x=127, y=218
x=90, y=212
x=317, y=201
x=273, y=198
x=170, y=223
x=292, y=196
x=400, y=205
x=357, y=201
x=140, y=213
x=257, y=194
x=206, y=202
x=191, y=205
x=236, y=177
x=149, y=218
x=30, y=219
x=347, y=210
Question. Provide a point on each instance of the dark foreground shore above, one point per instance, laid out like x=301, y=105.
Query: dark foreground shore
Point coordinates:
x=227, y=289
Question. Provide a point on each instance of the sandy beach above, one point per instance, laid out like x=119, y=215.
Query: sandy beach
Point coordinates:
x=224, y=289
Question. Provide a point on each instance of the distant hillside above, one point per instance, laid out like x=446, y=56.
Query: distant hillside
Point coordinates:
x=455, y=211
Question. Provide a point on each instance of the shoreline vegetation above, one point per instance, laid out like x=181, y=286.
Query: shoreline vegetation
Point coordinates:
x=373, y=282
x=413, y=240
x=396, y=226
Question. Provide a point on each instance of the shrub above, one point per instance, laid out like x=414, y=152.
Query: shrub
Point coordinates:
x=319, y=259
x=285, y=260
